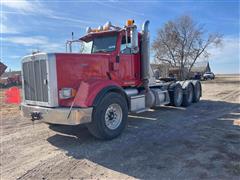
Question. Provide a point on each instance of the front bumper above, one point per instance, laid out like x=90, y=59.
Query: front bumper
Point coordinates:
x=58, y=115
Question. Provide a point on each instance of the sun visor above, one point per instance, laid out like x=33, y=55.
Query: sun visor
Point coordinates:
x=90, y=36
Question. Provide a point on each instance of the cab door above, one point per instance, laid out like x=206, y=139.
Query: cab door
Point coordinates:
x=127, y=63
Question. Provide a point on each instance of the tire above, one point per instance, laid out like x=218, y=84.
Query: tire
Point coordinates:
x=188, y=95
x=197, y=91
x=176, y=95
x=109, y=117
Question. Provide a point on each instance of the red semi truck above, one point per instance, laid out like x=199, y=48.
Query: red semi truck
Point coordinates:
x=107, y=77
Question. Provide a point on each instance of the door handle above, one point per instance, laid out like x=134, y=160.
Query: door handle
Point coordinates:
x=117, y=59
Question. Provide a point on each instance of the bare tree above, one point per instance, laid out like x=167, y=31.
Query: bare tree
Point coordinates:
x=181, y=42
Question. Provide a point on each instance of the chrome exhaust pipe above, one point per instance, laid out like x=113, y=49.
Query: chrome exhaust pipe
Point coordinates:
x=145, y=64
x=145, y=54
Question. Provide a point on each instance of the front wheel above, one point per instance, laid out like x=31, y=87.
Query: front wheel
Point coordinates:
x=109, y=116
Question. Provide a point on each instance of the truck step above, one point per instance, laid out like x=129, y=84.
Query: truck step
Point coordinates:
x=140, y=110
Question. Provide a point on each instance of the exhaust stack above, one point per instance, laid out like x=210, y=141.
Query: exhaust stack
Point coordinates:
x=145, y=55
x=145, y=65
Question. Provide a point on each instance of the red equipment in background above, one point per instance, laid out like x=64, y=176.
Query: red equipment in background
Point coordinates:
x=12, y=96
x=3, y=67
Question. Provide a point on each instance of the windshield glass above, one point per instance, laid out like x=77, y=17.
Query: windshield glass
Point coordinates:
x=86, y=47
x=96, y=45
x=104, y=44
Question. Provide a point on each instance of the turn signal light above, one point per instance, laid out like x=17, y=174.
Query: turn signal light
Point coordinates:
x=66, y=93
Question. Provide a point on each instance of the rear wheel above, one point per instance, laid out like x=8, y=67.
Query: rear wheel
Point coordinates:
x=188, y=95
x=197, y=91
x=109, y=116
x=176, y=95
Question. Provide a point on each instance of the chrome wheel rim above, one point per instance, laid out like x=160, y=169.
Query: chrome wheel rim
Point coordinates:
x=179, y=96
x=113, y=116
x=190, y=91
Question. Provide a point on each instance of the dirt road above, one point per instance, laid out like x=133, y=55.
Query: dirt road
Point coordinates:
x=201, y=141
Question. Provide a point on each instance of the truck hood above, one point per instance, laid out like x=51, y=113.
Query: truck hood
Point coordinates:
x=74, y=68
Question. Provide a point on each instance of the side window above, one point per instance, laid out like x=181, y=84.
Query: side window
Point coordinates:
x=125, y=47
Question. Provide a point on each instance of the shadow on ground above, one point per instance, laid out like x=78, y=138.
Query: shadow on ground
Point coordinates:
x=198, y=142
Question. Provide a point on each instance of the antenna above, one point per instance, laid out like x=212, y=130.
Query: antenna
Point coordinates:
x=72, y=35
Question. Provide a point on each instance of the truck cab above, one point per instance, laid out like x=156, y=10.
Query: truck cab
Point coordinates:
x=123, y=65
x=101, y=77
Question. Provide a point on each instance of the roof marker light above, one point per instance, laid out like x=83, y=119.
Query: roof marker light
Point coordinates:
x=129, y=22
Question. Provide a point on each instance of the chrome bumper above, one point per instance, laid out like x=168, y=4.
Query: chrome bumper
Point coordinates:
x=58, y=115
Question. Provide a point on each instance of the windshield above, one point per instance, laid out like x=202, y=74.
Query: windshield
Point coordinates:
x=96, y=45
x=86, y=47
x=104, y=44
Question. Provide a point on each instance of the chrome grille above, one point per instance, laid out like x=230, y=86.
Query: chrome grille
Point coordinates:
x=40, y=80
x=35, y=80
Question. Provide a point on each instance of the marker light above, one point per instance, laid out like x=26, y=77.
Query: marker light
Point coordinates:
x=100, y=28
x=107, y=26
x=88, y=30
x=129, y=22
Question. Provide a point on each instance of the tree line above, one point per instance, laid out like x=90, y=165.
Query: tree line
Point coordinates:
x=182, y=42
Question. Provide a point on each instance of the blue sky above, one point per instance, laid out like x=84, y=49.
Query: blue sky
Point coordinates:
x=27, y=25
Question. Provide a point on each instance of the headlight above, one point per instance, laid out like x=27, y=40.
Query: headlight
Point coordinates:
x=66, y=93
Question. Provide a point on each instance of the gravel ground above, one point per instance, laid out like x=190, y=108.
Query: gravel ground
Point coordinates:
x=201, y=141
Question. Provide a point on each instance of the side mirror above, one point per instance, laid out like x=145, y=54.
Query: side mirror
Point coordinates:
x=134, y=40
